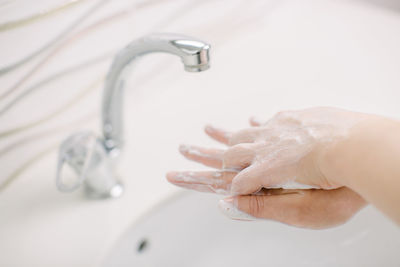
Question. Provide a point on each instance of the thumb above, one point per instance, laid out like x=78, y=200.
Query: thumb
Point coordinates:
x=316, y=209
x=282, y=208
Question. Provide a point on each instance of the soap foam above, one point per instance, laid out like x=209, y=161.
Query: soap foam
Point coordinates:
x=185, y=149
x=294, y=185
x=231, y=211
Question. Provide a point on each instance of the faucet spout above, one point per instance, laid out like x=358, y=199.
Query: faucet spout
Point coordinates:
x=91, y=157
x=195, y=58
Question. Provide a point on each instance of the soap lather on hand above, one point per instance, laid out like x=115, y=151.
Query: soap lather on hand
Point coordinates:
x=282, y=169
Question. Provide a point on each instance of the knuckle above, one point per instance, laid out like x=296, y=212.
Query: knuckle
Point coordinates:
x=242, y=148
x=227, y=153
x=234, y=140
x=242, y=136
x=282, y=114
x=288, y=117
x=256, y=205
x=238, y=150
x=277, y=118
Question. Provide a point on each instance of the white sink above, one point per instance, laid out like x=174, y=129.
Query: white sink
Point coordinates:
x=188, y=230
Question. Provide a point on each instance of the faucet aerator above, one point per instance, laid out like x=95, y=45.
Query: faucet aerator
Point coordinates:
x=197, y=68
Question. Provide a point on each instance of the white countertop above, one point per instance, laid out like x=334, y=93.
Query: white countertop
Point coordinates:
x=290, y=54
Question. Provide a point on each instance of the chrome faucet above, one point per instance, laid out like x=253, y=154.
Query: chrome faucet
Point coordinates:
x=90, y=157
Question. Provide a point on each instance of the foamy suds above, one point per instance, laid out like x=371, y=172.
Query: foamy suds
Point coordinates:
x=202, y=183
x=295, y=185
x=191, y=177
x=231, y=211
x=186, y=149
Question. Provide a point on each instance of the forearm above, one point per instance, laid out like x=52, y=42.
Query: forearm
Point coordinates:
x=368, y=162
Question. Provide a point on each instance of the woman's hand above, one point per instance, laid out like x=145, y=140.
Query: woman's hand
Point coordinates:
x=282, y=154
x=315, y=208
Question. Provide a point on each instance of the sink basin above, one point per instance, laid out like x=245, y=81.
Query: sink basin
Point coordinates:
x=188, y=230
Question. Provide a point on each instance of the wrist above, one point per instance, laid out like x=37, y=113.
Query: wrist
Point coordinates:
x=362, y=152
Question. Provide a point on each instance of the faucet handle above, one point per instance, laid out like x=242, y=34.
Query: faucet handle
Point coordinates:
x=76, y=151
x=85, y=154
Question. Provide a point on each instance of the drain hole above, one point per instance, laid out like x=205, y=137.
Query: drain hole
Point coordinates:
x=142, y=246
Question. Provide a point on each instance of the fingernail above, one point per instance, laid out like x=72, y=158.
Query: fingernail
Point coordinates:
x=257, y=120
x=171, y=175
x=187, y=150
x=209, y=129
x=214, y=130
x=190, y=150
x=175, y=177
x=191, y=177
x=228, y=208
x=229, y=200
x=184, y=148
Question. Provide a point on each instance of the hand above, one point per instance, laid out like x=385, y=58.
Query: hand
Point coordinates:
x=315, y=208
x=282, y=153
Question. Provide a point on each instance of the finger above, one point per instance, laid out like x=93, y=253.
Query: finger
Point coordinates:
x=283, y=208
x=239, y=156
x=229, y=206
x=247, y=181
x=214, y=181
x=311, y=208
x=255, y=122
x=204, y=181
x=208, y=156
x=217, y=134
x=259, y=176
x=244, y=136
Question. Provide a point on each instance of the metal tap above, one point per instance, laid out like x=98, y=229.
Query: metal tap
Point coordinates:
x=91, y=157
